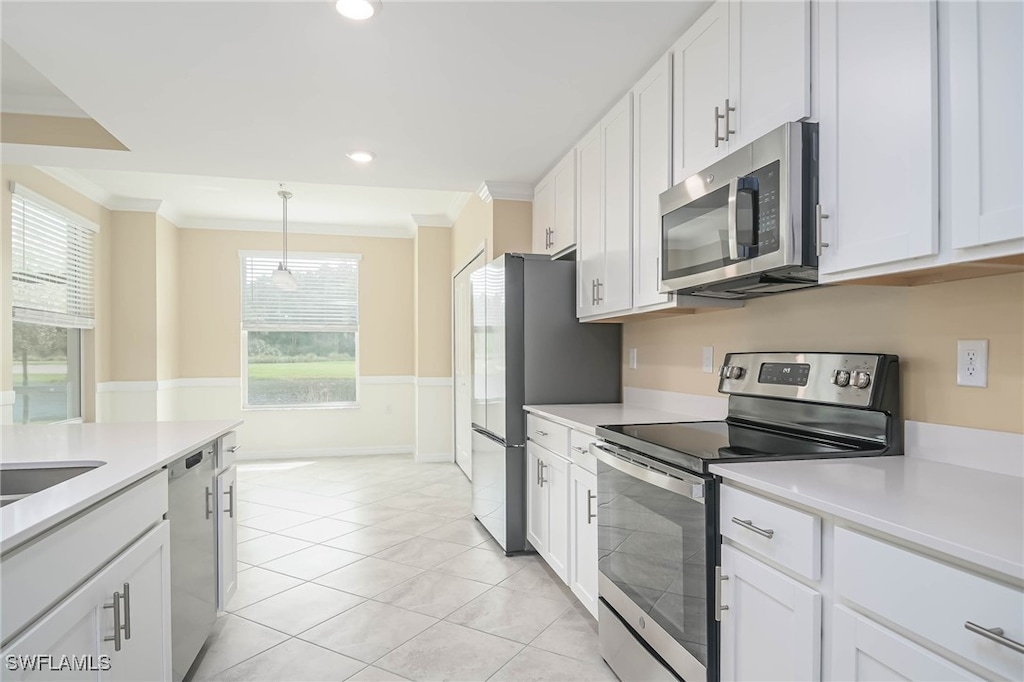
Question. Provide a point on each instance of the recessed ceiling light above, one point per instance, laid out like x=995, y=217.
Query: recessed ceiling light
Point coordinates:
x=362, y=157
x=357, y=10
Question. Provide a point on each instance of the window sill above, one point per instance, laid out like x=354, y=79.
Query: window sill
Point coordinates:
x=301, y=408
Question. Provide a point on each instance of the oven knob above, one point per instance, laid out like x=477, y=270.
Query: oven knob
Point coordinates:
x=841, y=377
x=731, y=372
x=860, y=379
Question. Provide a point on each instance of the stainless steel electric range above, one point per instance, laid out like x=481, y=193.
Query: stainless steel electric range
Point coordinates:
x=657, y=508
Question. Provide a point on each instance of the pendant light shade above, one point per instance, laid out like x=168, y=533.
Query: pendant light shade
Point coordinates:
x=283, y=277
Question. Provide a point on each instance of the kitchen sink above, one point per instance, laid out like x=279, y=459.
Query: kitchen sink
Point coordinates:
x=20, y=480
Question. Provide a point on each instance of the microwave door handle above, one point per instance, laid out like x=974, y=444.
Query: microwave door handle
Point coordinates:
x=737, y=186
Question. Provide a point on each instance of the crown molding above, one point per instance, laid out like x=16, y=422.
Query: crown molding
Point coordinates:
x=458, y=203
x=490, y=190
x=76, y=182
x=238, y=225
x=430, y=220
x=135, y=204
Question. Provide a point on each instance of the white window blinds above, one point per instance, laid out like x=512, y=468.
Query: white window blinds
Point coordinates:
x=327, y=297
x=51, y=263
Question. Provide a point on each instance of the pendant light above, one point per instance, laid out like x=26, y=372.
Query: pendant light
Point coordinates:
x=283, y=277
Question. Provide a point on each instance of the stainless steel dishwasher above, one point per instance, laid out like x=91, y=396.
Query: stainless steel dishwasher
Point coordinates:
x=191, y=512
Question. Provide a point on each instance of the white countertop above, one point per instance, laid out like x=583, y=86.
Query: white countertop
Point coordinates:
x=129, y=452
x=587, y=418
x=973, y=515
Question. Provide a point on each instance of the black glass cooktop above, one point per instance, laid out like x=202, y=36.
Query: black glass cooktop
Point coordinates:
x=696, y=445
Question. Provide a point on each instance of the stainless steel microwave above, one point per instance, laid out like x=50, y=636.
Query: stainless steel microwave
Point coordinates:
x=747, y=226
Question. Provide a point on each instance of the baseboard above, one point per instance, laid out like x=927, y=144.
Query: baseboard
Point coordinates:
x=434, y=457
x=318, y=453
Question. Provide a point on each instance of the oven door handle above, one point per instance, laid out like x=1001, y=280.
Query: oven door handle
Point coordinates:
x=681, y=484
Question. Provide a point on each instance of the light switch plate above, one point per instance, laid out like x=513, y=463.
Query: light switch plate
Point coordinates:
x=707, y=359
x=972, y=363
x=632, y=358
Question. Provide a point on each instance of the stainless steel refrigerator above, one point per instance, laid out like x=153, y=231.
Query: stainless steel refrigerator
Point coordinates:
x=528, y=348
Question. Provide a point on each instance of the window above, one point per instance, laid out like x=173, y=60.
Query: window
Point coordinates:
x=300, y=347
x=52, y=297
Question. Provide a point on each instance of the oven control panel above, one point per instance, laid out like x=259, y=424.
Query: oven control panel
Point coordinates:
x=848, y=379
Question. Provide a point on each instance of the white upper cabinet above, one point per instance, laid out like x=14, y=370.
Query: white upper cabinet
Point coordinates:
x=615, y=285
x=554, y=208
x=652, y=175
x=742, y=70
x=984, y=42
x=590, y=252
x=878, y=127
x=769, y=67
x=701, y=75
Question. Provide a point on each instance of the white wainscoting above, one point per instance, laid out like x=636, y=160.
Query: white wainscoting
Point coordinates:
x=434, y=419
x=383, y=423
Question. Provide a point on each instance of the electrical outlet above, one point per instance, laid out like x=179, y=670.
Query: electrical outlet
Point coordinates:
x=707, y=359
x=632, y=358
x=972, y=363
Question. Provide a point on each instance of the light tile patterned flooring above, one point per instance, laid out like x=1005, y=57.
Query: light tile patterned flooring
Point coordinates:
x=373, y=568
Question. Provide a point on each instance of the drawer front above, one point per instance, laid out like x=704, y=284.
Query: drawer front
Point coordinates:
x=552, y=436
x=579, y=451
x=932, y=599
x=74, y=550
x=227, y=450
x=788, y=536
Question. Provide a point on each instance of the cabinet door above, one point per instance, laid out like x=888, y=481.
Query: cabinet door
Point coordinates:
x=227, y=536
x=615, y=285
x=144, y=582
x=564, y=213
x=771, y=629
x=769, y=66
x=72, y=628
x=652, y=175
x=701, y=75
x=985, y=44
x=583, y=554
x=865, y=650
x=590, y=246
x=536, y=501
x=555, y=481
x=878, y=133
x=543, y=215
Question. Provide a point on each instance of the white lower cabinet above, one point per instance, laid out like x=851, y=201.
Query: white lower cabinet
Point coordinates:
x=547, y=507
x=227, y=536
x=583, y=545
x=123, y=612
x=771, y=624
x=864, y=650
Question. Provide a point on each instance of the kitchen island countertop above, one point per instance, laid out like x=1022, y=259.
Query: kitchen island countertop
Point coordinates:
x=128, y=452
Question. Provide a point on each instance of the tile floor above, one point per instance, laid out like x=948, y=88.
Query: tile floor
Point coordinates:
x=373, y=568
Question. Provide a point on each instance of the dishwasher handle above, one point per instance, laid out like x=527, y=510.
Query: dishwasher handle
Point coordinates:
x=193, y=460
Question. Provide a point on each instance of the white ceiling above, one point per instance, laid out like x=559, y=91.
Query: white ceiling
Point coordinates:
x=448, y=94
x=23, y=90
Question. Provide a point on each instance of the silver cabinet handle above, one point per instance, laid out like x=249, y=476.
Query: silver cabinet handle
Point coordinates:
x=231, y=501
x=543, y=480
x=580, y=450
x=745, y=523
x=728, y=126
x=593, y=292
x=600, y=298
x=541, y=433
x=719, y=606
x=127, y=613
x=234, y=448
x=718, y=138
x=209, y=502
x=818, y=218
x=590, y=514
x=996, y=635
x=538, y=472
x=116, y=637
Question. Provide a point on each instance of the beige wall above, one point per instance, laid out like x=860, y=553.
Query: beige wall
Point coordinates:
x=920, y=324
x=209, y=315
x=433, y=302
x=512, y=227
x=133, y=296
x=471, y=229
x=96, y=343
x=167, y=293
